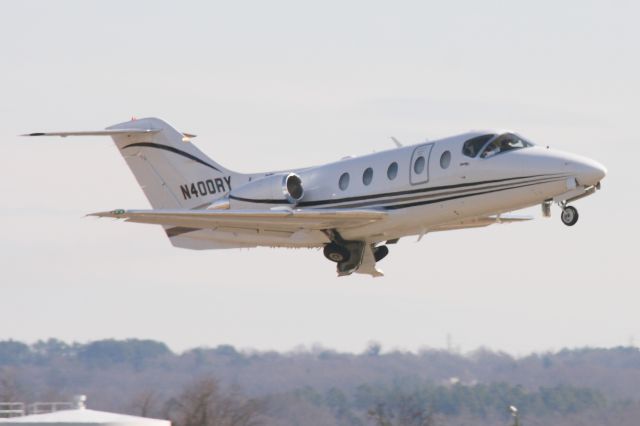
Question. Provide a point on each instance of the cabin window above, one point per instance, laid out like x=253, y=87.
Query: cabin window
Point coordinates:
x=418, y=165
x=445, y=159
x=367, y=176
x=344, y=181
x=472, y=147
x=392, y=171
x=503, y=143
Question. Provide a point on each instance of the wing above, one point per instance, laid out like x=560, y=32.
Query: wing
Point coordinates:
x=479, y=222
x=282, y=220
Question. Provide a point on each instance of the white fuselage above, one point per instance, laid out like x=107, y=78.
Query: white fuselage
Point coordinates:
x=444, y=190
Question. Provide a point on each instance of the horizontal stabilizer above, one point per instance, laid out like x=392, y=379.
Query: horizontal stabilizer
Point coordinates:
x=290, y=220
x=108, y=132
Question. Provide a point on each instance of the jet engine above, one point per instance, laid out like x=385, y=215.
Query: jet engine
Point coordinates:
x=274, y=189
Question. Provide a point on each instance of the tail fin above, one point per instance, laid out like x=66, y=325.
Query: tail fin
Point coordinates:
x=172, y=172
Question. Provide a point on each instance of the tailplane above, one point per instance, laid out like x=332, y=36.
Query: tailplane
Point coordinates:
x=172, y=171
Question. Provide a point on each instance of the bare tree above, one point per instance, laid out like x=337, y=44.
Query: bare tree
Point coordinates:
x=204, y=404
x=145, y=403
x=10, y=390
x=408, y=414
x=379, y=415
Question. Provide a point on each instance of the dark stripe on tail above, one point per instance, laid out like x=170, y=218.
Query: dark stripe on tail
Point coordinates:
x=174, y=150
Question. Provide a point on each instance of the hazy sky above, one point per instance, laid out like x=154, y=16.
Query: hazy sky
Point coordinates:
x=279, y=84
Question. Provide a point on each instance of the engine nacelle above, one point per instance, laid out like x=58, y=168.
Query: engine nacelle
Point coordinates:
x=275, y=189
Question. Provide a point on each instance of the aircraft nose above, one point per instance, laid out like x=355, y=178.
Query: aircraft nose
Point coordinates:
x=590, y=172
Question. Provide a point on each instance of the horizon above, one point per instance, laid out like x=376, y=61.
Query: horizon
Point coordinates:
x=316, y=348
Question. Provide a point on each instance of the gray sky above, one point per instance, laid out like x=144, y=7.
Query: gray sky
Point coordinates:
x=279, y=84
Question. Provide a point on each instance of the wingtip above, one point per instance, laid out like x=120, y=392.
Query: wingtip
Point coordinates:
x=111, y=213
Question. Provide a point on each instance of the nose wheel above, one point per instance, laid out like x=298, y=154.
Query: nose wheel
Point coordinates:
x=569, y=215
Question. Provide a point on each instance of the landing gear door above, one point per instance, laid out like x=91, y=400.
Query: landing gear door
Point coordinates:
x=420, y=164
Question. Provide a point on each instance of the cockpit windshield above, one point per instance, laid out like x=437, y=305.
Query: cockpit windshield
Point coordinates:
x=472, y=147
x=503, y=143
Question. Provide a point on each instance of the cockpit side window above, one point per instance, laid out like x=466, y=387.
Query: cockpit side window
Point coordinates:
x=472, y=147
x=503, y=143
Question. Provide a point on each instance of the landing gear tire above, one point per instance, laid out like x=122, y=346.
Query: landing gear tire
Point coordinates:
x=336, y=253
x=569, y=216
x=380, y=253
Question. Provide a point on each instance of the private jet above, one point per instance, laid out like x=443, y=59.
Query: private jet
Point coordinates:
x=353, y=208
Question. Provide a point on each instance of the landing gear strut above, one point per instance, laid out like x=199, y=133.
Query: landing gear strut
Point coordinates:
x=569, y=215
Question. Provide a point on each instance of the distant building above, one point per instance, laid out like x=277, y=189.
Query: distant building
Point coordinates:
x=79, y=416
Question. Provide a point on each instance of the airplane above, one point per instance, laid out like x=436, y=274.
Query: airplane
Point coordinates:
x=353, y=208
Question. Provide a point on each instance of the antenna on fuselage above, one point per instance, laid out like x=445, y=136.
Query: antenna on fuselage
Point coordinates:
x=397, y=142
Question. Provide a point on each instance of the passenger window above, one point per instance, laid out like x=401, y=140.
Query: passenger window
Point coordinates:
x=418, y=165
x=445, y=159
x=392, y=171
x=367, y=176
x=344, y=181
x=472, y=147
x=504, y=143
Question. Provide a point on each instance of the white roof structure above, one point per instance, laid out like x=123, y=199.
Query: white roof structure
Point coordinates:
x=80, y=416
x=83, y=417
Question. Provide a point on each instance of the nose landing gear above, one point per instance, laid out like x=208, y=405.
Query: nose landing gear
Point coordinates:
x=569, y=215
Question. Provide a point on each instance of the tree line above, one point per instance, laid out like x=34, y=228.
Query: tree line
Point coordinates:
x=227, y=386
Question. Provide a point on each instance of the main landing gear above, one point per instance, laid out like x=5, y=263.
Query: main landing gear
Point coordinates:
x=340, y=254
x=380, y=252
x=352, y=256
x=336, y=253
